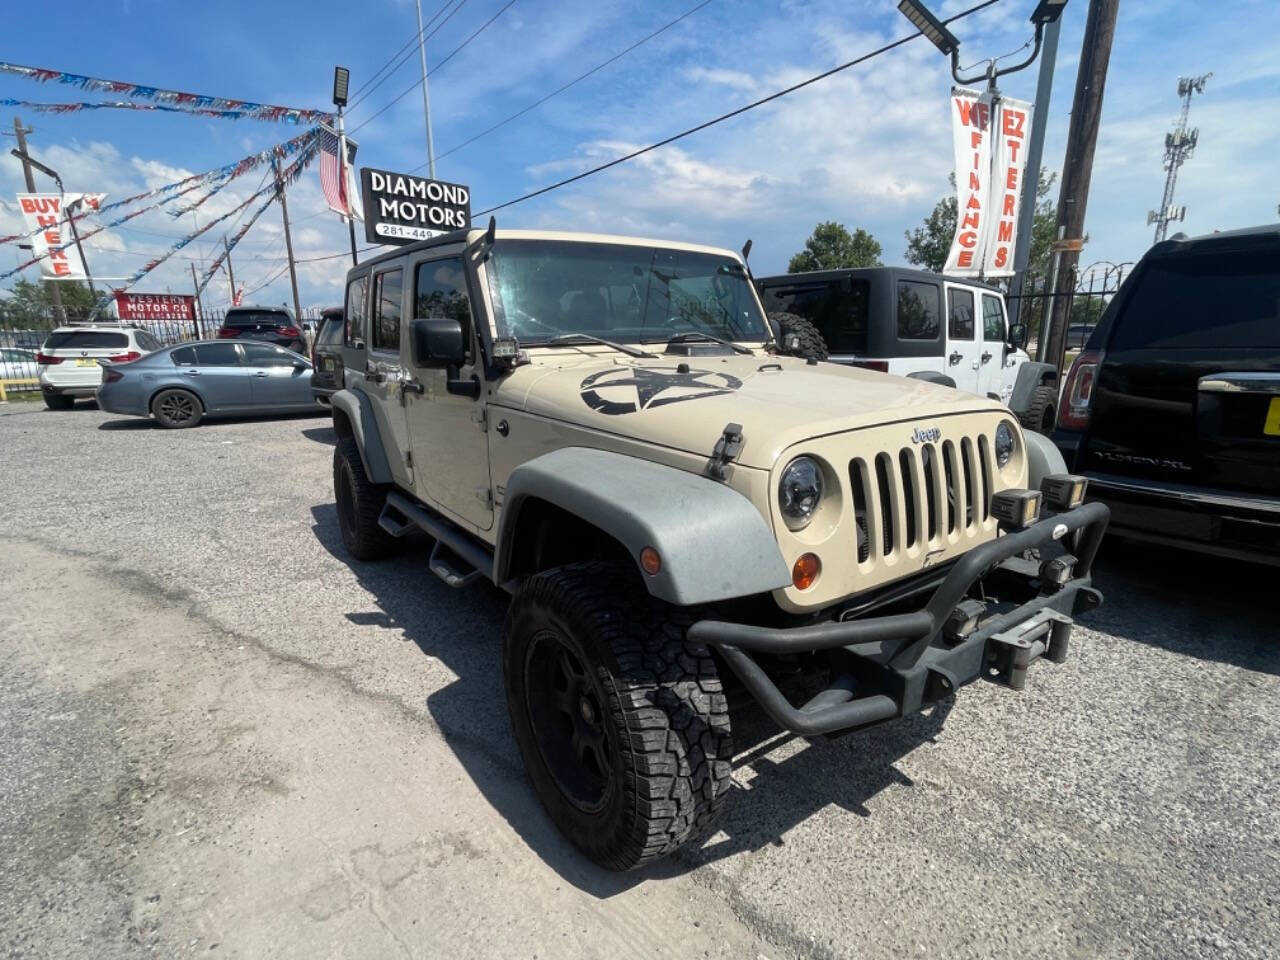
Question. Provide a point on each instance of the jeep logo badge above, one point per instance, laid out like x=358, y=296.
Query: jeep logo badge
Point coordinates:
x=927, y=435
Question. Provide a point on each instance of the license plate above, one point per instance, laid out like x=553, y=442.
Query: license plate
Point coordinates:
x=86, y=362
x=1271, y=426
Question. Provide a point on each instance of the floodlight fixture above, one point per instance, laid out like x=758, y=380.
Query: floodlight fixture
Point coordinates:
x=47, y=171
x=341, y=82
x=933, y=28
x=1047, y=11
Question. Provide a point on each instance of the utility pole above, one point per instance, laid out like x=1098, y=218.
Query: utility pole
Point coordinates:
x=1178, y=147
x=1031, y=179
x=288, y=241
x=1077, y=169
x=231, y=274
x=426, y=97
x=21, y=132
x=195, y=285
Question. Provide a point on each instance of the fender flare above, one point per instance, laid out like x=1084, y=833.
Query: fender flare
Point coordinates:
x=357, y=409
x=933, y=376
x=1043, y=458
x=1030, y=375
x=713, y=542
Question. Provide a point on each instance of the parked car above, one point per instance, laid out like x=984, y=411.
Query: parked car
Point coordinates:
x=68, y=360
x=916, y=323
x=268, y=324
x=18, y=364
x=326, y=356
x=1173, y=408
x=184, y=384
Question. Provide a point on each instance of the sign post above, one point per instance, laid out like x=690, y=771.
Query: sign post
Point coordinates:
x=400, y=208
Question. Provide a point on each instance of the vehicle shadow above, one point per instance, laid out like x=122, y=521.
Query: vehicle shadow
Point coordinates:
x=323, y=435
x=146, y=423
x=1210, y=608
x=793, y=777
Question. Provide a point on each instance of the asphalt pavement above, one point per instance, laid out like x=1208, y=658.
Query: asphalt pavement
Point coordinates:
x=223, y=737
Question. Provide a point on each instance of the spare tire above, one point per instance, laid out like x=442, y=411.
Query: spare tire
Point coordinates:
x=797, y=337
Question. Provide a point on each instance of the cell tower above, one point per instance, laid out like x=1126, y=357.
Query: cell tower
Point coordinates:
x=1178, y=147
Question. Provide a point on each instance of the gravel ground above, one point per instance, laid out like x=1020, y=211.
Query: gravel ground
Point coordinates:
x=206, y=704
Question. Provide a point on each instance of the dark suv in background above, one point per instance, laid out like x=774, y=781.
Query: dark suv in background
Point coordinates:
x=326, y=355
x=1173, y=408
x=269, y=324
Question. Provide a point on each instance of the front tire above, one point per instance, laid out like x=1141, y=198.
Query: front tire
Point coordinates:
x=621, y=721
x=177, y=409
x=359, y=502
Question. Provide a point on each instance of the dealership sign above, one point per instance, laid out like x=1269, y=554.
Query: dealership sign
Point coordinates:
x=155, y=306
x=400, y=208
x=990, y=141
x=45, y=216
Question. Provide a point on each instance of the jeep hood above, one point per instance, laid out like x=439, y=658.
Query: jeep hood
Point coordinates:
x=685, y=403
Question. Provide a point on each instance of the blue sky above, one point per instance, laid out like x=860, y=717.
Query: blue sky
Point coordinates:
x=870, y=147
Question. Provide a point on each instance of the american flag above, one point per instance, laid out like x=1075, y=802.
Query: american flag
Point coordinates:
x=337, y=189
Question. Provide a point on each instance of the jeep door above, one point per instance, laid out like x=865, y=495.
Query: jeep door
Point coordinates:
x=380, y=366
x=998, y=369
x=964, y=346
x=443, y=409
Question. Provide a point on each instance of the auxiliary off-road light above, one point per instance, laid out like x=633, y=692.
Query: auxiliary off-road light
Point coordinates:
x=1064, y=491
x=1016, y=508
x=1058, y=571
x=963, y=620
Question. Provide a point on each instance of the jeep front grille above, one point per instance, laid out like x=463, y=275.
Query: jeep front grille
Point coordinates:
x=921, y=496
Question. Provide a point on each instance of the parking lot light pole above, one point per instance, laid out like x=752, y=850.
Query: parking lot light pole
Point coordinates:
x=341, y=84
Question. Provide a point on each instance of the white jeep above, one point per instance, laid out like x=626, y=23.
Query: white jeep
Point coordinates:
x=915, y=323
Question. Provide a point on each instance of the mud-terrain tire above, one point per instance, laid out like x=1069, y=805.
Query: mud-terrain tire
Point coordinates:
x=811, y=346
x=177, y=409
x=359, y=503
x=1041, y=413
x=59, y=401
x=621, y=721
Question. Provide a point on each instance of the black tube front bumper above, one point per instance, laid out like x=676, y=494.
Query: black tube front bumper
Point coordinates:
x=897, y=664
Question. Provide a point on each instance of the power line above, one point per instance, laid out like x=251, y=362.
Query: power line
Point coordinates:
x=425, y=36
x=408, y=43
x=731, y=114
x=417, y=83
x=559, y=90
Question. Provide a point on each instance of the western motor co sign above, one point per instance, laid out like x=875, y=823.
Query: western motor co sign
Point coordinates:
x=400, y=208
x=990, y=154
x=155, y=306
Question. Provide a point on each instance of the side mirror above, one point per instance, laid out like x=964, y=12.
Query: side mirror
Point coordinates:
x=300, y=365
x=1017, y=334
x=438, y=342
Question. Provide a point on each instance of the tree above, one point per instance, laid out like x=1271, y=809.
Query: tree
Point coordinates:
x=29, y=304
x=928, y=244
x=832, y=247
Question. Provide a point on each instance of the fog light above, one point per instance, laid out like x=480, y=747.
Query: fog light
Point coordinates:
x=1016, y=508
x=806, y=571
x=650, y=561
x=1064, y=491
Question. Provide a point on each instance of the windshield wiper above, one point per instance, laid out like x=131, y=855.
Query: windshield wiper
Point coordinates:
x=701, y=335
x=592, y=338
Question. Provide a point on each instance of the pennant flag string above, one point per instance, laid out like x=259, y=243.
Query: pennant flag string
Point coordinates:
x=288, y=176
x=227, y=172
x=231, y=245
x=176, y=99
x=76, y=107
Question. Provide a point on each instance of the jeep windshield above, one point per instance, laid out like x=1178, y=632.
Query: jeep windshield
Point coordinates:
x=544, y=289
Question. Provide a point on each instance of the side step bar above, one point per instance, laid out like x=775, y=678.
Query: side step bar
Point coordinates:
x=456, y=558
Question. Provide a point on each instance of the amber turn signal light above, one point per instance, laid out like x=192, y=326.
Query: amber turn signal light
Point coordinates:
x=650, y=561
x=806, y=571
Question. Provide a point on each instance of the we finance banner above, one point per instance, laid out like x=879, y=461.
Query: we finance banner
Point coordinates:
x=47, y=214
x=990, y=141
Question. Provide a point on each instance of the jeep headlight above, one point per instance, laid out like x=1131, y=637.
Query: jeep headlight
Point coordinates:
x=799, y=491
x=1006, y=442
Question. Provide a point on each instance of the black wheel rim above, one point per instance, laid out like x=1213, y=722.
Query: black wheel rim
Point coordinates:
x=177, y=408
x=566, y=712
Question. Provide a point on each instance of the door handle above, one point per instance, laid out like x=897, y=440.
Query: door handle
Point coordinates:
x=410, y=385
x=955, y=358
x=191, y=373
x=261, y=373
x=374, y=375
x=986, y=357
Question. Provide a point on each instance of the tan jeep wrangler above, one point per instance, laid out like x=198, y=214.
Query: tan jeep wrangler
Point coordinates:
x=607, y=428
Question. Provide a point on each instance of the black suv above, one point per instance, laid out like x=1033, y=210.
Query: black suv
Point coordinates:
x=326, y=356
x=1173, y=408
x=269, y=324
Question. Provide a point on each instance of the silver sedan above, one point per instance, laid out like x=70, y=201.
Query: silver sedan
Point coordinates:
x=184, y=384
